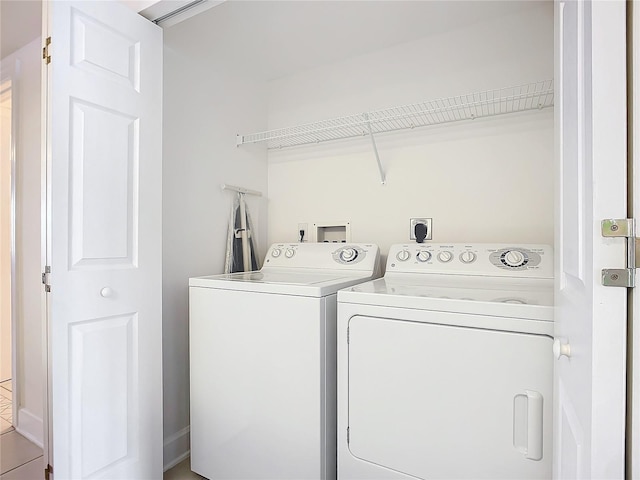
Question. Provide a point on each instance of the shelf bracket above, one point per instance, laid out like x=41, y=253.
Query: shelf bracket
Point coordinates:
x=383, y=180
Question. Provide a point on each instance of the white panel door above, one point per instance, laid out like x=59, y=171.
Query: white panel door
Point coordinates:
x=589, y=410
x=104, y=241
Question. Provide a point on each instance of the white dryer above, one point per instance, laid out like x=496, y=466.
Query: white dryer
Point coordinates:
x=263, y=363
x=445, y=365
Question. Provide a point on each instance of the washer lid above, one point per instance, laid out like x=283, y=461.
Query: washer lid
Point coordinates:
x=281, y=277
x=310, y=283
x=520, y=298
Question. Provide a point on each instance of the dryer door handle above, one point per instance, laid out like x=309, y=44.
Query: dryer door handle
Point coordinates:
x=532, y=401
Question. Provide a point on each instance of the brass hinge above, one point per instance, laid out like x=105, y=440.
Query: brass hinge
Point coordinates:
x=48, y=473
x=621, y=277
x=46, y=279
x=45, y=51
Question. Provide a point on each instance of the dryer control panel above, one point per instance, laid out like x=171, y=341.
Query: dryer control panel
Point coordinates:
x=317, y=256
x=495, y=260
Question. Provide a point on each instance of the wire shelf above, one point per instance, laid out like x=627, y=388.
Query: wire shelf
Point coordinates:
x=488, y=103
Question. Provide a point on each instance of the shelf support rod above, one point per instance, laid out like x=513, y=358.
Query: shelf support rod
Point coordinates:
x=226, y=186
x=375, y=149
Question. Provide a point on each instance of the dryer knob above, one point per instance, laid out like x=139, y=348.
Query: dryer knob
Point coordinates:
x=423, y=256
x=514, y=258
x=403, y=255
x=289, y=252
x=445, y=256
x=467, y=257
x=275, y=253
x=348, y=254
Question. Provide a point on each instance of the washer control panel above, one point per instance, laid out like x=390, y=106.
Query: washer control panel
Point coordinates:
x=535, y=261
x=356, y=256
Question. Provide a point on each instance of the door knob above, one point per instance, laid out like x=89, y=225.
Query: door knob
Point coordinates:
x=561, y=347
x=106, y=292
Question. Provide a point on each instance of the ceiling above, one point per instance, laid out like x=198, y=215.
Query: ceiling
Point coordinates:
x=271, y=39
x=20, y=23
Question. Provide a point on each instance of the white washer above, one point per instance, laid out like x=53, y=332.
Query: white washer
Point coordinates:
x=445, y=365
x=263, y=363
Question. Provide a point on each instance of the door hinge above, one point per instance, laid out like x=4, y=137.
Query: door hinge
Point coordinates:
x=45, y=51
x=46, y=279
x=621, y=277
x=48, y=473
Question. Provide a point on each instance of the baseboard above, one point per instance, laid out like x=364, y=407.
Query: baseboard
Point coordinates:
x=30, y=427
x=176, y=448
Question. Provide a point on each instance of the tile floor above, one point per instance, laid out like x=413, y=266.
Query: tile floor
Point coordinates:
x=19, y=458
x=5, y=407
x=182, y=471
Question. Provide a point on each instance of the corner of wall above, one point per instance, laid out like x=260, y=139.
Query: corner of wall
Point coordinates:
x=30, y=426
x=176, y=448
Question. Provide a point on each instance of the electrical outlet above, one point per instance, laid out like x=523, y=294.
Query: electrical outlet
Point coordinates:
x=303, y=227
x=412, y=225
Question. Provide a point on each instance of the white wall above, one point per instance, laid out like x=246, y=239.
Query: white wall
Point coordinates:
x=490, y=180
x=205, y=105
x=28, y=237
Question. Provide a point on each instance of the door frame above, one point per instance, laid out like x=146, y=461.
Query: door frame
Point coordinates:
x=45, y=217
x=11, y=71
x=633, y=337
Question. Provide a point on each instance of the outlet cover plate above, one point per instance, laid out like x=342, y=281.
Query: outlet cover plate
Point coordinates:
x=412, y=224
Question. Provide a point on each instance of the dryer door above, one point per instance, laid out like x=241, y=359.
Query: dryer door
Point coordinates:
x=438, y=401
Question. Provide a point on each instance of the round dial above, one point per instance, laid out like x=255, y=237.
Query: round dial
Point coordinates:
x=348, y=254
x=514, y=258
x=445, y=256
x=423, y=256
x=403, y=255
x=275, y=253
x=468, y=257
x=289, y=252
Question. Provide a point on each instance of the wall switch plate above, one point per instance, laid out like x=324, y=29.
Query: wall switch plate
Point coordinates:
x=412, y=225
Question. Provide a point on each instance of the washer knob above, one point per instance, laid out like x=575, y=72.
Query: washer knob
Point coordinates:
x=348, y=254
x=289, y=252
x=445, y=256
x=423, y=256
x=468, y=257
x=403, y=255
x=514, y=258
x=275, y=253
